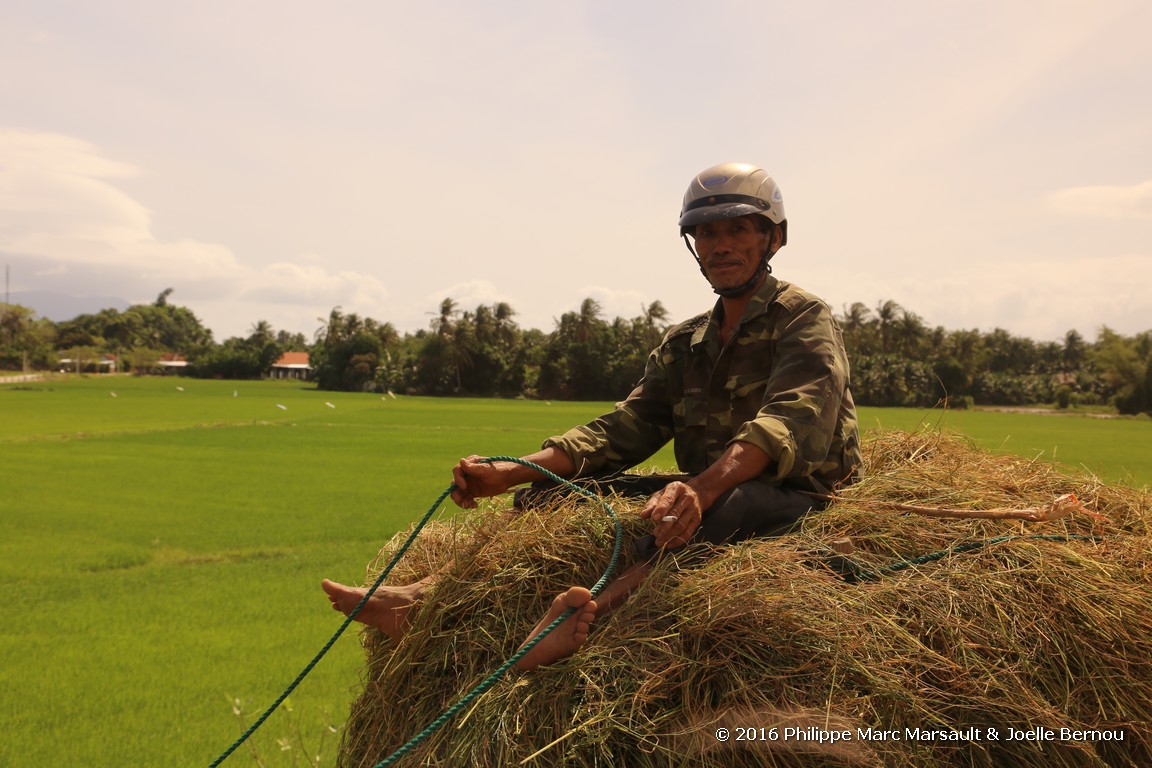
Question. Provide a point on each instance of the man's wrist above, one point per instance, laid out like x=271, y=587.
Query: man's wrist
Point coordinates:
x=552, y=459
x=703, y=496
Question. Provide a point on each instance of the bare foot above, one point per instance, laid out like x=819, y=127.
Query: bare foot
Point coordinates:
x=567, y=638
x=387, y=610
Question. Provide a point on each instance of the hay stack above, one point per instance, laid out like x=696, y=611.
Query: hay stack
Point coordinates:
x=1028, y=635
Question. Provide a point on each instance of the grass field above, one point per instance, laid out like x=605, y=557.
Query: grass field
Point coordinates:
x=1115, y=450
x=162, y=543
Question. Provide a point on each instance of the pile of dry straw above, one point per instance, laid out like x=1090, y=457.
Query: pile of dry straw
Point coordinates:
x=1048, y=641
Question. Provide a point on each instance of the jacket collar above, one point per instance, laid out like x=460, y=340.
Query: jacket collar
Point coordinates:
x=758, y=305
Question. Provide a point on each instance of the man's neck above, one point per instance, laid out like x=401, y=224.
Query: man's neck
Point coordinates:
x=734, y=306
x=733, y=311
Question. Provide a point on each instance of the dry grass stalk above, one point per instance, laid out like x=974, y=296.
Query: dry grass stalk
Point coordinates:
x=1024, y=634
x=1061, y=506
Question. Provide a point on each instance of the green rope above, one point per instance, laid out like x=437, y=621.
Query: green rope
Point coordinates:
x=491, y=679
x=860, y=573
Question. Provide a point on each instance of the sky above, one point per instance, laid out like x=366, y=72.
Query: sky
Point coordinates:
x=986, y=164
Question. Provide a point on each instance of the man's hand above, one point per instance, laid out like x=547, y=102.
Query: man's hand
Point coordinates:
x=475, y=480
x=677, y=512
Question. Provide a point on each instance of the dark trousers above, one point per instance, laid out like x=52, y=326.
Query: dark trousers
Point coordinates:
x=751, y=509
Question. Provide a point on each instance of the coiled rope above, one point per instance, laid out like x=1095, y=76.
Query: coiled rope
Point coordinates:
x=489, y=681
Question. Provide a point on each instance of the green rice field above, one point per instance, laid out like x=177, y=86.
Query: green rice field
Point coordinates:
x=162, y=542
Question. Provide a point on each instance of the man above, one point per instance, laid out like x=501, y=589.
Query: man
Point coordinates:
x=754, y=394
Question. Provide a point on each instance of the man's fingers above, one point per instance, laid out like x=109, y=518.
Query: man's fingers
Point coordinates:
x=467, y=468
x=673, y=510
x=463, y=495
x=675, y=514
x=672, y=505
x=459, y=475
x=462, y=500
x=653, y=508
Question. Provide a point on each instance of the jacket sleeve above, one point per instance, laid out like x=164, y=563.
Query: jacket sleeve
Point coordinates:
x=799, y=411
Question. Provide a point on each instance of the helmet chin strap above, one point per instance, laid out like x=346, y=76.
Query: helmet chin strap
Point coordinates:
x=736, y=291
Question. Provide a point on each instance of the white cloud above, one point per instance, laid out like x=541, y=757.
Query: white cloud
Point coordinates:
x=288, y=283
x=46, y=153
x=52, y=188
x=78, y=234
x=1105, y=202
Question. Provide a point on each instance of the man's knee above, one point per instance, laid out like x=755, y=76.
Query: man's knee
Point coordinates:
x=754, y=509
x=750, y=510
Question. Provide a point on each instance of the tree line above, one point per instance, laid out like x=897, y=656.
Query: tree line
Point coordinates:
x=897, y=359
x=483, y=352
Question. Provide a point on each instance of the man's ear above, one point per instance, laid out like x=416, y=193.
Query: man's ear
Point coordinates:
x=775, y=238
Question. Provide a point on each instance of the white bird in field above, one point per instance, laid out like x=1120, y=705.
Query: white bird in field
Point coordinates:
x=113, y=394
x=235, y=393
x=179, y=389
x=282, y=407
x=329, y=405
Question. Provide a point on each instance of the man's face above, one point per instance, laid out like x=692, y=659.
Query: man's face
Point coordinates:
x=730, y=250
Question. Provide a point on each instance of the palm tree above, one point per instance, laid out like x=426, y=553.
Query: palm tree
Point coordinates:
x=505, y=325
x=966, y=347
x=590, y=310
x=261, y=333
x=886, y=314
x=856, y=324
x=330, y=332
x=855, y=318
x=462, y=344
x=655, y=323
x=1075, y=351
x=443, y=324
x=909, y=331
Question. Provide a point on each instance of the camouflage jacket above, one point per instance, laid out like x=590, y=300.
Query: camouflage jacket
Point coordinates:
x=780, y=383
